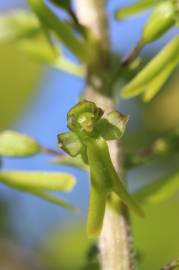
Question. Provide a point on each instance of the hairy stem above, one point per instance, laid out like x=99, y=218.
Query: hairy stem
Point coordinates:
x=115, y=240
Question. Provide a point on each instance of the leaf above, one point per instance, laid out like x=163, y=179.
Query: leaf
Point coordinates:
x=154, y=87
x=159, y=190
x=76, y=162
x=53, y=199
x=63, y=30
x=37, y=181
x=18, y=24
x=70, y=143
x=38, y=50
x=159, y=22
x=68, y=66
x=137, y=7
x=168, y=55
x=14, y=144
x=65, y=4
x=23, y=28
x=112, y=126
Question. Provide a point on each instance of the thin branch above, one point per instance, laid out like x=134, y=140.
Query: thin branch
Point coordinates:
x=132, y=55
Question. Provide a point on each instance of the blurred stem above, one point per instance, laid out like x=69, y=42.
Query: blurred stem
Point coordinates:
x=171, y=265
x=69, y=67
x=132, y=55
x=115, y=240
x=53, y=152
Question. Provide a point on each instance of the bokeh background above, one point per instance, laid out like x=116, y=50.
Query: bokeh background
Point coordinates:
x=34, y=100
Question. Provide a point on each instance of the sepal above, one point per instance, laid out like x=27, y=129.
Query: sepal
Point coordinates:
x=113, y=125
x=70, y=143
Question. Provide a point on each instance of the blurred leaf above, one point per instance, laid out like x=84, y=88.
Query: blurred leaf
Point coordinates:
x=14, y=144
x=38, y=181
x=18, y=24
x=162, y=115
x=66, y=4
x=167, y=57
x=159, y=190
x=153, y=232
x=42, y=51
x=154, y=86
x=38, y=50
x=159, y=22
x=18, y=75
x=137, y=7
x=63, y=30
x=18, y=78
x=55, y=248
x=66, y=65
x=24, y=29
x=76, y=162
x=53, y=199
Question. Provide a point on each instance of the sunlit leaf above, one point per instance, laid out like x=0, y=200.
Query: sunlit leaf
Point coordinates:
x=159, y=22
x=169, y=56
x=63, y=30
x=38, y=181
x=135, y=8
x=24, y=30
x=66, y=65
x=38, y=50
x=18, y=24
x=76, y=162
x=154, y=87
x=159, y=190
x=14, y=144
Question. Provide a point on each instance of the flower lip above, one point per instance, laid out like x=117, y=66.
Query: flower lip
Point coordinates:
x=86, y=121
x=83, y=116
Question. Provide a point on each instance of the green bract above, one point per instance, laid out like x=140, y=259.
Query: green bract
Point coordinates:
x=14, y=144
x=88, y=138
